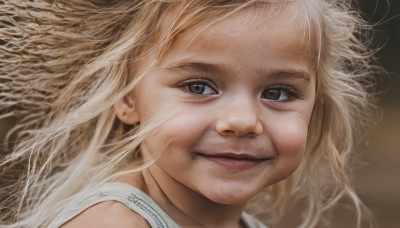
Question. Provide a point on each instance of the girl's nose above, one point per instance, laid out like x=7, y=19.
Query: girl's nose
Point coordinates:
x=239, y=120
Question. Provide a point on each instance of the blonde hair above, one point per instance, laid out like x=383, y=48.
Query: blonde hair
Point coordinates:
x=63, y=66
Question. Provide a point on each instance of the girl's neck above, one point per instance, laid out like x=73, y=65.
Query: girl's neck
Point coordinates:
x=184, y=206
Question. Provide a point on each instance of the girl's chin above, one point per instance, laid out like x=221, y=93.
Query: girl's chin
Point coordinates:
x=231, y=198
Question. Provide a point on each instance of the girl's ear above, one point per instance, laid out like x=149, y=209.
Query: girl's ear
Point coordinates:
x=126, y=111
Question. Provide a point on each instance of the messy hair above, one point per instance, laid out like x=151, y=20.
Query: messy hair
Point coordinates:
x=64, y=63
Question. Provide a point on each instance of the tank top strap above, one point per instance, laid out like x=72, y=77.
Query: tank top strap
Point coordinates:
x=126, y=194
x=251, y=222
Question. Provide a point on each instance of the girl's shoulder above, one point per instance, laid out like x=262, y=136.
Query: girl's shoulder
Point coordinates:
x=107, y=214
x=113, y=201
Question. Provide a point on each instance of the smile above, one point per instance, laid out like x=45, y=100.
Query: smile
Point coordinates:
x=233, y=161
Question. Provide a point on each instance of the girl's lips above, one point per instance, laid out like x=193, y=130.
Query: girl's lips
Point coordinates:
x=233, y=161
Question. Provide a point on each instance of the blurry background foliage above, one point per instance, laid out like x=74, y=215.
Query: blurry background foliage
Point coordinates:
x=377, y=180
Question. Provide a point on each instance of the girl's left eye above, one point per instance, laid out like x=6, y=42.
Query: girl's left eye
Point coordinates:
x=198, y=87
x=281, y=93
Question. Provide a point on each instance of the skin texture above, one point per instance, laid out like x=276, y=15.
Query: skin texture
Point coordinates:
x=239, y=97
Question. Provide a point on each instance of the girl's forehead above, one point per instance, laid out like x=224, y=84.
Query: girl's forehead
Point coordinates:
x=257, y=23
x=258, y=20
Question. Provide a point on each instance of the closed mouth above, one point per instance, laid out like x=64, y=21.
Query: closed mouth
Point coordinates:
x=233, y=160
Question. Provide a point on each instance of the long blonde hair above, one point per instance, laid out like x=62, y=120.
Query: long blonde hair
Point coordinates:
x=63, y=66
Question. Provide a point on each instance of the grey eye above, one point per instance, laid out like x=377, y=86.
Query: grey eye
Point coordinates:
x=199, y=88
x=275, y=94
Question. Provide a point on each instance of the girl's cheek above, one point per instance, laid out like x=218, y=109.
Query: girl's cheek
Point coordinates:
x=289, y=137
x=182, y=130
x=289, y=141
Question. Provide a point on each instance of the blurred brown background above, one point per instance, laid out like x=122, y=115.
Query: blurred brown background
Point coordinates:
x=378, y=180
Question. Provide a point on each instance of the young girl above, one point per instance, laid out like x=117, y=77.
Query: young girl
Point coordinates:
x=179, y=113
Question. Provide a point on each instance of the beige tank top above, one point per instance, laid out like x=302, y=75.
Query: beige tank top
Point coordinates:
x=133, y=198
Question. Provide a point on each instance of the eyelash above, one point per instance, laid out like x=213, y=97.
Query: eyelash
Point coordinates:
x=293, y=93
x=197, y=81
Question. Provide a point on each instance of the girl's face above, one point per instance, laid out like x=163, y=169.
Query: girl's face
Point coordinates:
x=241, y=93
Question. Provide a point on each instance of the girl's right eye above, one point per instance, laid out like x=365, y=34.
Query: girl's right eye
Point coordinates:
x=198, y=87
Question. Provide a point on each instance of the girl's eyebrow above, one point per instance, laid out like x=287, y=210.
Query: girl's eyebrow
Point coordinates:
x=218, y=69
x=196, y=67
